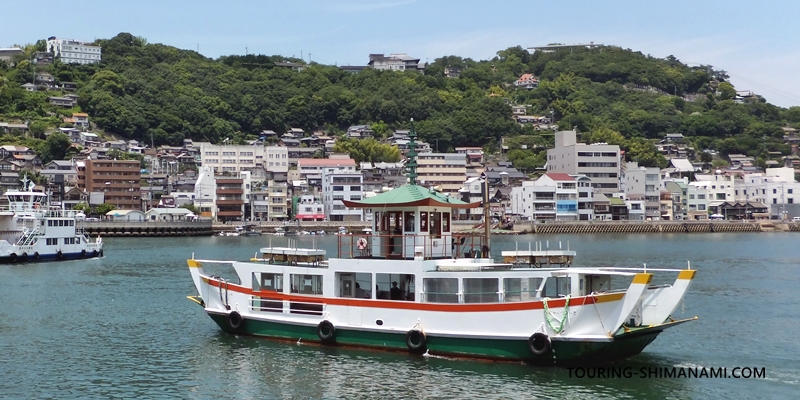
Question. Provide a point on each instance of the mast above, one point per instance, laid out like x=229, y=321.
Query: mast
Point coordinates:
x=411, y=164
x=487, y=228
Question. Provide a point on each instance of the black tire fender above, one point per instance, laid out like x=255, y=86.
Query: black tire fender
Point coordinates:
x=326, y=332
x=13, y=257
x=539, y=344
x=235, y=321
x=416, y=341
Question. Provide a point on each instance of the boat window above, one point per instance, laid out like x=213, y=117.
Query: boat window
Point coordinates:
x=268, y=281
x=423, y=221
x=520, y=289
x=358, y=285
x=481, y=290
x=440, y=290
x=435, y=225
x=306, y=284
x=409, y=222
x=556, y=286
x=445, y=222
x=387, y=290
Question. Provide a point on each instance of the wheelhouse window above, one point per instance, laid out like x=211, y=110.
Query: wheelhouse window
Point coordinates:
x=520, y=289
x=423, y=221
x=409, y=222
x=556, y=287
x=306, y=284
x=435, y=225
x=481, y=290
x=440, y=290
x=446, y=222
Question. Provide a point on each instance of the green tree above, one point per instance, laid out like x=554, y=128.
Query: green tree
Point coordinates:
x=55, y=147
x=103, y=209
x=367, y=150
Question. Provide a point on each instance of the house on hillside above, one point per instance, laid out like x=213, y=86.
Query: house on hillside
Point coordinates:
x=527, y=81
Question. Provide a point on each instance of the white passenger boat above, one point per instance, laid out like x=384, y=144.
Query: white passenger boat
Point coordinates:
x=32, y=231
x=412, y=284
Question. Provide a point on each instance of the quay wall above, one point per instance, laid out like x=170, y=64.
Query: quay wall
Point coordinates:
x=532, y=227
x=138, y=229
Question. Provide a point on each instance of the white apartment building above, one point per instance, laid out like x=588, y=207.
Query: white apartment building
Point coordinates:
x=74, y=52
x=341, y=183
x=447, y=170
x=553, y=197
x=776, y=189
x=310, y=169
x=720, y=188
x=643, y=183
x=309, y=209
x=256, y=159
x=471, y=192
x=600, y=162
x=278, y=193
x=697, y=201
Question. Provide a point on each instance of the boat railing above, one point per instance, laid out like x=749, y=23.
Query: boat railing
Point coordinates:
x=410, y=246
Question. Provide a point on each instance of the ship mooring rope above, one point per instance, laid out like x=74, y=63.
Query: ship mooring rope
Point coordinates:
x=550, y=319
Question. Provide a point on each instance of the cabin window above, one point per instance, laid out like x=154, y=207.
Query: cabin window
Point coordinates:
x=394, y=287
x=440, y=290
x=52, y=241
x=423, y=221
x=409, y=222
x=435, y=225
x=357, y=285
x=481, y=290
x=306, y=284
x=272, y=282
x=520, y=289
x=556, y=286
x=446, y=222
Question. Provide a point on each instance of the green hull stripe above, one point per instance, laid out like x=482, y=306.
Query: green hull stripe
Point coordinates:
x=563, y=352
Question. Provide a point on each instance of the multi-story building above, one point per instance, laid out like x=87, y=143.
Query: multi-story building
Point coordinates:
x=394, y=62
x=307, y=208
x=117, y=180
x=233, y=159
x=278, y=193
x=447, y=170
x=311, y=168
x=600, y=161
x=776, y=189
x=679, y=194
x=643, y=183
x=697, y=201
x=223, y=197
x=554, y=197
x=341, y=184
x=74, y=52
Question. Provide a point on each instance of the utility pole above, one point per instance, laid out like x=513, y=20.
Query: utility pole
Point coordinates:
x=487, y=227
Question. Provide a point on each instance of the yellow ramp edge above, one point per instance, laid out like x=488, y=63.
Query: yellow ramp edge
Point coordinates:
x=687, y=274
x=643, y=278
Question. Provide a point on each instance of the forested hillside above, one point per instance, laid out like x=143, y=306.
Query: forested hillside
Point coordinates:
x=143, y=91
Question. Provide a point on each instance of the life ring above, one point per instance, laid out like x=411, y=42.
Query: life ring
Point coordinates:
x=235, y=321
x=416, y=341
x=539, y=344
x=36, y=255
x=326, y=332
x=362, y=244
x=83, y=253
x=13, y=257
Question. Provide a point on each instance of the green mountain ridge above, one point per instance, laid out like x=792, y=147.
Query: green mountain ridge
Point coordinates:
x=157, y=92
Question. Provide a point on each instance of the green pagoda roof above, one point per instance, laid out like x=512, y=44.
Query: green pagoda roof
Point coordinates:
x=410, y=196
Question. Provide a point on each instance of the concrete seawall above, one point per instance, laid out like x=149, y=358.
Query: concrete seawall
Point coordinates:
x=130, y=229
x=525, y=227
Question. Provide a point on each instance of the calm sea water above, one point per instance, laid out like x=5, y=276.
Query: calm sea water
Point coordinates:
x=121, y=326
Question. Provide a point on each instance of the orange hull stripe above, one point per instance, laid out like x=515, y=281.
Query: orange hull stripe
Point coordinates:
x=410, y=305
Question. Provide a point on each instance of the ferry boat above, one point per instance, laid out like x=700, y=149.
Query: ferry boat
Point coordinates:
x=412, y=284
x=33, y=231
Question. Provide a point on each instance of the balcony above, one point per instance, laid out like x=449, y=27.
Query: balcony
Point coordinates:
x=230, y=191
x=228, y=213
x=223, y=181
x=230, y=202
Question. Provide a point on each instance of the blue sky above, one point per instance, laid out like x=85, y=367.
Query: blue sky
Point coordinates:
x=756, y=42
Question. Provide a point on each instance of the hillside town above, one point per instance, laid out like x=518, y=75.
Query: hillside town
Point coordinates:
x=282, y=178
